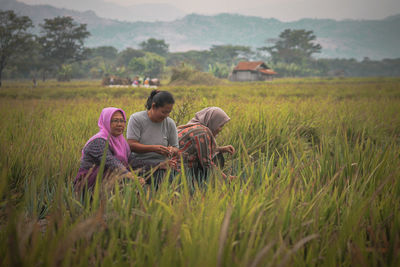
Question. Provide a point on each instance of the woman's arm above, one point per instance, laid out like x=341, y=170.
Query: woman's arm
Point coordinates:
x=226, y=149
x=141, y=148
x=205, y=149
x=173, y=145
x=94, y=152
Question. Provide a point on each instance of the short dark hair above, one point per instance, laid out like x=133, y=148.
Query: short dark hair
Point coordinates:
x=160, y=98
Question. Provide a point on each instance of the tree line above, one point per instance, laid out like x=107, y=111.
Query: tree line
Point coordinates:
x=59, y=52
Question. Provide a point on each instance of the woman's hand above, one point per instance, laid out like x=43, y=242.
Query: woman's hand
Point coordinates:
x=142, y=181
x=227, y=149
x=130, y=175
x=163, y=165
x=173, y=151
x=141, y=148
x=230, y=178
x=162, y=150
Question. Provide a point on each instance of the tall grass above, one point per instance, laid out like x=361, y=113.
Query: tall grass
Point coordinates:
x=318, y=168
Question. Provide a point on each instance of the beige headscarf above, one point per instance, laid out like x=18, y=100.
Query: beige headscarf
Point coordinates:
x=211, y=117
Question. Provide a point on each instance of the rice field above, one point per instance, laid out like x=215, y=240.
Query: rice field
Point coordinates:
x=317, y=166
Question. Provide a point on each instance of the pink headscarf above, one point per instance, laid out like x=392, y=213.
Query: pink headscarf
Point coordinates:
x=211, y=117
x=117, y=144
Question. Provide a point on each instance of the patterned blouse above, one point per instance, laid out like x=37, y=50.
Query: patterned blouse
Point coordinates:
x=197, y=145
x=93, y=153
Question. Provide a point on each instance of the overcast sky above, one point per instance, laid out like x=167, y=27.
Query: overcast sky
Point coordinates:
x=285, y=10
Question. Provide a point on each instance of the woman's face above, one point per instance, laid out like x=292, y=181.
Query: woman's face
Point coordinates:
x=160, y=113
x=217, y=131
x=117, y=124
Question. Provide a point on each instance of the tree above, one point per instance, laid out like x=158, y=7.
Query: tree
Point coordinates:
x=106, y=52
x=154, y=65
x=64, y=74
x=62, y=41
x=219, y=70
x=137, y=66
x=293, y=46
x=198, y=59
x=155, y=46
x=151, y=65
x=28, y=63
x=14, y=38
x=125, y=56
x=231, y=54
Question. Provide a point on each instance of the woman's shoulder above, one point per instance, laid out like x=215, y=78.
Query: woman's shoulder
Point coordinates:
x=139, y=114
x=170, y=122
x=97, y=141
x=95, y=144
x=193, y=128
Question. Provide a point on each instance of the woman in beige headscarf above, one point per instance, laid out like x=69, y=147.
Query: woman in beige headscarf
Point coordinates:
x=197, y=143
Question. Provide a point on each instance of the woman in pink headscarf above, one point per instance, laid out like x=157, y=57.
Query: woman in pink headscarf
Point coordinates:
x=197, y=143
x=111, y=123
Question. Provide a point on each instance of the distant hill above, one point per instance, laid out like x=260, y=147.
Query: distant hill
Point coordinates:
x=39, y=12
x=132, y=12
x=376, y=39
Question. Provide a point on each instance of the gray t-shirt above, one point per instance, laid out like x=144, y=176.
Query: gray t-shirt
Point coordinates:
x=142, y=129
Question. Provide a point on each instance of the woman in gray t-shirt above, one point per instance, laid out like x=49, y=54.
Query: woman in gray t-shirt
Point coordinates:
x=151, y=134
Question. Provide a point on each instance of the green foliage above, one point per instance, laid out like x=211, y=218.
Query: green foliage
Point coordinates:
x=15, y=38
x=62, y=41
x=151, y=65
x=187, y=76
x=125, y=56
x=106, y=69
x=294, y=70
x=230, y=54
x=294, y=46
x=222, y=55
x=64, y=74
x=198, y=59
x=219, y=70
x=364, y=68
x=154, y=65
x=155, y=46
x=106, y=52
x=137, y=66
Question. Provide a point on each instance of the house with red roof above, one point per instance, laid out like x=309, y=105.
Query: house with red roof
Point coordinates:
x=249, y=71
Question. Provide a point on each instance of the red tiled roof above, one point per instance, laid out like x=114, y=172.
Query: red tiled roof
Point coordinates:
x=248, y=65
x=268, y=71
x=254, y=66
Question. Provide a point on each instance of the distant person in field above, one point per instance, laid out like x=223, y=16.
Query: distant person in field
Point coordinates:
x=135, y=82
x=111, y=124
x=152, y=136
x=146, y=82
x=197, y=144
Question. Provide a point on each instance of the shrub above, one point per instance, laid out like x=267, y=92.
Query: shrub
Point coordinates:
x=188, y=76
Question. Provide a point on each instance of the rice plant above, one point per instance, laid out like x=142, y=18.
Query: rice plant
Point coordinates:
x=317, y=166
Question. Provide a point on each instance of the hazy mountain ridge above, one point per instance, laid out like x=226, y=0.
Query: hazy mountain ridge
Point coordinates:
x=375, y=39
x=133, y=12
x=39, y=12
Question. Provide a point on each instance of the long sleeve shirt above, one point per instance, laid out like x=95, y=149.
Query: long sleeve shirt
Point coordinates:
x=93, y=153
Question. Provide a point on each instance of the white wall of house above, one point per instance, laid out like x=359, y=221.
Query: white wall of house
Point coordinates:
x=241, y=76
x=249, y=76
